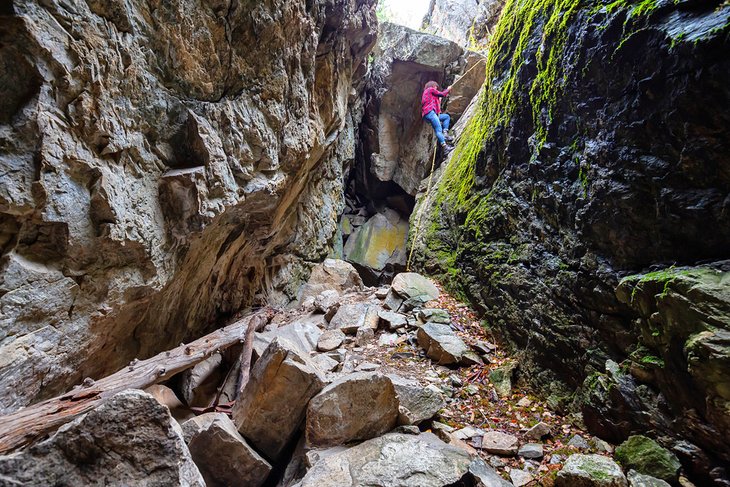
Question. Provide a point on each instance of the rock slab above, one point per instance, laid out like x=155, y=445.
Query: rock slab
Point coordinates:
x=590, y=471
x=441, y=344
x=273, y=404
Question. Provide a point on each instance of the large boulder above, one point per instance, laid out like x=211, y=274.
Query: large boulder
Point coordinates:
x=648, y=457
x=221, y=454
x=331, y=275
x=351, y=317
x=416, y=403
x=379, y=246
x=355, y=407
x=272, y=405
x=410, y=290
x=441, y=344
x=392, y=460
x=303, y=333
x=590, y=471
x=129, y=440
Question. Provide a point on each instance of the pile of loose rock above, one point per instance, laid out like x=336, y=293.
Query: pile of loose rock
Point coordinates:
x=322, y=409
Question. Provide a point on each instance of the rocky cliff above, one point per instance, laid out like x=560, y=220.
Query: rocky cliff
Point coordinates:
x=162, y=163
x=598, y=152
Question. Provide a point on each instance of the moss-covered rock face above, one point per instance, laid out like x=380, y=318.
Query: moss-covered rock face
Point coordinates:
x=646, y=456
x=597, y=152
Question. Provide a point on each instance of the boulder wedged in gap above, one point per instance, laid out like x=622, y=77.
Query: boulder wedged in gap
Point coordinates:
x=272, y=405
x=222, y=455
x=131, y=439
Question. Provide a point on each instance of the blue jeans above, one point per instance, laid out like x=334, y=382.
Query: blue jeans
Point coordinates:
x=440, y=123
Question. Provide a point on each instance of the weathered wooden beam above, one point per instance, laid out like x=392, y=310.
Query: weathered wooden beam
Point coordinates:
x=26, y=425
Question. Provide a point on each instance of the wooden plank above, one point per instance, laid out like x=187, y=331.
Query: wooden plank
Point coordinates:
x=24, y=426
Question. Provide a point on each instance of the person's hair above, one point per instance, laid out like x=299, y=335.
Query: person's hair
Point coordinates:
x=431, y=84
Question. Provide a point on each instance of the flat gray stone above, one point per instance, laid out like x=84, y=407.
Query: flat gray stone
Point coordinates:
x=441, y=344
x=639, y=480
x=392, y=320
x=330, y=340
x=540, y=430
x=487, y=475
x=349, y=318
x=499, y=443
x=531, y=450
x=520, y=477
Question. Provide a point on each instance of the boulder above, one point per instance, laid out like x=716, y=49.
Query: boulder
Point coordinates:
x=410, y=290
x=434, y=315
x=303, y=334
x=579, y=442
x=520, y=478
x=130, y=439
x=501, y=378
x=364, y=335
x=331, y=275
x=590, y=471
x=499, y=443
x=394, y=459
x=539, y=431
x=639, y=480
x=486, y=474
x=222, y=455
x=327, y=302
x=392, y=320
x=355, y=407
x=350, y=317
x=324, y=363
x=379, y=246
x=416, y=403
x=441, y=344
x=330, y=340
x=388, y=339
x=468, y=85
x=647, y=457
x=531, y=450
x=272, y=406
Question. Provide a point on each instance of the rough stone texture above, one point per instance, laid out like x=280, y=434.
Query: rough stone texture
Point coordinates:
x=441, y=344
x=410, y=290
x=379, y=246
x=396, y=144
x=303, y=333
x=638, y=480
x=538, y=431
x=416, y=403
x=222, y=455
x=129, y=440
x=499, y=443
x=531, y=450
x=469, y=23
x=646, y=456
x=273, y=404
x=162, y=162
x=355, y=407
x=393, y=321
x=350, y=317
x=486, y=474
x=330, y=340
x=573, y=194
x=395, y=460
x=331, y=275
x=590, y=471
x=199, y=383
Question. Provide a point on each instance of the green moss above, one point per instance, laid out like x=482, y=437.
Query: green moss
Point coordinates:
x=652, y=360
x=648, y=457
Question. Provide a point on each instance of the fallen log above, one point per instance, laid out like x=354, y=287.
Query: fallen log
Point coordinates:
x=26, y=425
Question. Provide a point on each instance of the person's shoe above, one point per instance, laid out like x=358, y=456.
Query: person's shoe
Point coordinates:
x=447, y=135
x=447, y=148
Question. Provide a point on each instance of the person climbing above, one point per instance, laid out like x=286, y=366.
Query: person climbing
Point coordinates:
x=431, y=111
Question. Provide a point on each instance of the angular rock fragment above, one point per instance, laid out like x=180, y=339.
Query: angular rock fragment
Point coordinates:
x=486, y=474
x=350, y=317
x=131, y=439
x=501, y=378
x=520, y=478
x=579, y=442
x=332, y=274
x=539, y=431
x=441, y=344
x=273, y=404
x=392, y=320
x=327, y=301
x=388, y=339
x=393, y=459
x=410, y=290
x=590, y=471
x=355, y=407
x=416, y=403
x=303, y=334
x=324, y=363
x=639, y=480
x=499, y=443
x=222, y=455
x=330, y=340
x=364, y=335
x=531, y=450
x=434, y=315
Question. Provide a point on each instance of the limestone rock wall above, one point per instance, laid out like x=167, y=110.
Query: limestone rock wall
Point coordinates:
x=598, y=152
x=162, y=162
x=469, y=23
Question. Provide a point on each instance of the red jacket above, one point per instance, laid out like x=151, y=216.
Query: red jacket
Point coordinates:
x=430, y=100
